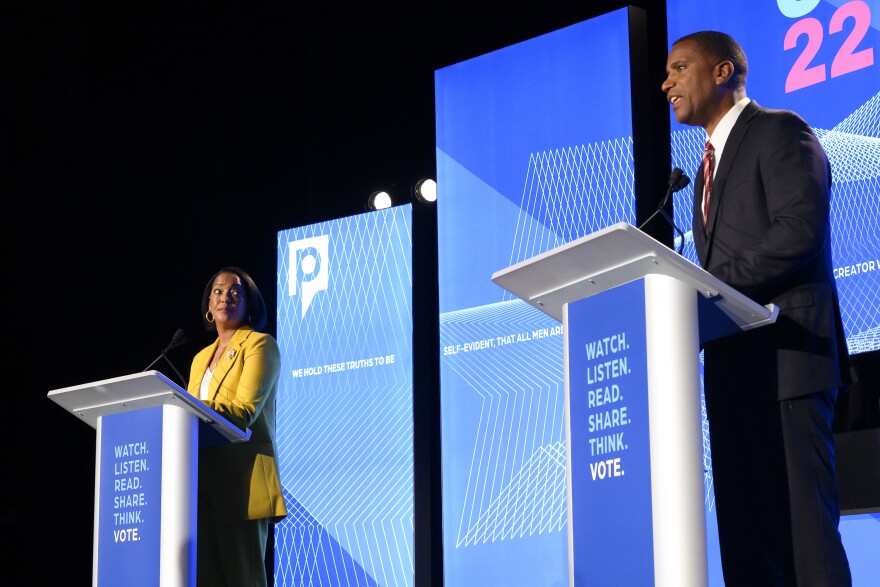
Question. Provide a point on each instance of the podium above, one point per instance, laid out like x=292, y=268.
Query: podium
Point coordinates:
x=146, y=475
x=634, y=315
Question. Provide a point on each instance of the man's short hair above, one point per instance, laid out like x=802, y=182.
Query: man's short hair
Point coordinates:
x=722, y=47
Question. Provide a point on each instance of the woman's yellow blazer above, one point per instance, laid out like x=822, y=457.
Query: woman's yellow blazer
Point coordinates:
x=240, y=481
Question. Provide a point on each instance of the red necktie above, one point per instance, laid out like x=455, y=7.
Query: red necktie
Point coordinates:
x=708, y=172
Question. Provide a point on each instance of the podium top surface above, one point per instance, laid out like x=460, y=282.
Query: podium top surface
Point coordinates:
x=616, y=255
x=149, y=389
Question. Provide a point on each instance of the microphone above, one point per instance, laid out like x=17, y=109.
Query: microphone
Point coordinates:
x=675, y=177
x=677, y=181
x=178, y=339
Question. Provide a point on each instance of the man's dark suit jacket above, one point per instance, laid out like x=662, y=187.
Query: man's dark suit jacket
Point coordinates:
x=769, y=237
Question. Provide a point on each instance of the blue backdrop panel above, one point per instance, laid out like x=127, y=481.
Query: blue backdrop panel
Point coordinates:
x=533, y=150
x=842, y=105
x=345, y=430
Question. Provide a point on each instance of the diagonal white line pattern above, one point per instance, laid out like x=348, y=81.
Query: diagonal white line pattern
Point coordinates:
x=345, y=436
x=516, y=477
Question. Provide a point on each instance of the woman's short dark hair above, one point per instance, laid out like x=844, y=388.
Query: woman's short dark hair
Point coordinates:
x=256, y=307
x=722, y=47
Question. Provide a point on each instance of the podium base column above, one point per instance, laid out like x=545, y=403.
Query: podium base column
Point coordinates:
x=677, y=472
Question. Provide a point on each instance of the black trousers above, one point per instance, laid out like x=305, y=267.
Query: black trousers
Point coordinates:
x=230, y=554
x=776, y=494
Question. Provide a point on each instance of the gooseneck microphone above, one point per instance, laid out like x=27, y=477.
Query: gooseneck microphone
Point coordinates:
x=677, y=181
x=178, y=339
x=681, y=181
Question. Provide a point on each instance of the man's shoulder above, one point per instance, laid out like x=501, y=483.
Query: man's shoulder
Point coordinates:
x=776, y=116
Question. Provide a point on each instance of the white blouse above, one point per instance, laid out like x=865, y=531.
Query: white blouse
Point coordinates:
x=203, y=388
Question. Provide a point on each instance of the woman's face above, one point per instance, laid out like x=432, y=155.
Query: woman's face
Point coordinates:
x=227, y=301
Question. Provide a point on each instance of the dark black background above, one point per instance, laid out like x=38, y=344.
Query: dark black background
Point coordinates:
x=146, y=144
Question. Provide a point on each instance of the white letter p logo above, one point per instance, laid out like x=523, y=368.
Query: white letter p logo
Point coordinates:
x=309, y=268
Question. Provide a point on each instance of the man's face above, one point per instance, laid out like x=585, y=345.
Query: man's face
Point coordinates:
x=692, y=87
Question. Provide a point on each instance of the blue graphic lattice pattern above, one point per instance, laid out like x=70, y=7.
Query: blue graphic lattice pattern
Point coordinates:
x=311, y=555
x=516, y=483
x=345, y=434
x=573, y=191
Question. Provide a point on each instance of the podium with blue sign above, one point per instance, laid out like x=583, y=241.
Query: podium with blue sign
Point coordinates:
x=634, y=314
x=146, y=475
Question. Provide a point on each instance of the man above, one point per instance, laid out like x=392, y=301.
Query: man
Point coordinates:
x=761, y=206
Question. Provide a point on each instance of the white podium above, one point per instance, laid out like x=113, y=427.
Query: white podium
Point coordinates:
x=146, y=475
x=634, y=314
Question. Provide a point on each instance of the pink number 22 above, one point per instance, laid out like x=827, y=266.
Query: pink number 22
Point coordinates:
x=846, y=59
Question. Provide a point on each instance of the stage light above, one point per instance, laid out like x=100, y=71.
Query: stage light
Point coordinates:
x=379, y=200
x=426, y=191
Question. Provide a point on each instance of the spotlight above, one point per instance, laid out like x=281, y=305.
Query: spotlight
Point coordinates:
x=379, y=200
x=426, y=191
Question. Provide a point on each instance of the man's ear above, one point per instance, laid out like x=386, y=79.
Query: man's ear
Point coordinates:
x=723, y=73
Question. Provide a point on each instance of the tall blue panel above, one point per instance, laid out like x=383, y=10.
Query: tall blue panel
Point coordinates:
x=534, y=149
x=345, y=428
x=842, y=104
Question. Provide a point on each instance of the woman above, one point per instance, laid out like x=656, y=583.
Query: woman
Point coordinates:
x=239, y=489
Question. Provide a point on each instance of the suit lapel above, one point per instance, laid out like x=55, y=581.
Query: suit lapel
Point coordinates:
x=731, y=147
x=697, y=223
x=230, y=356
